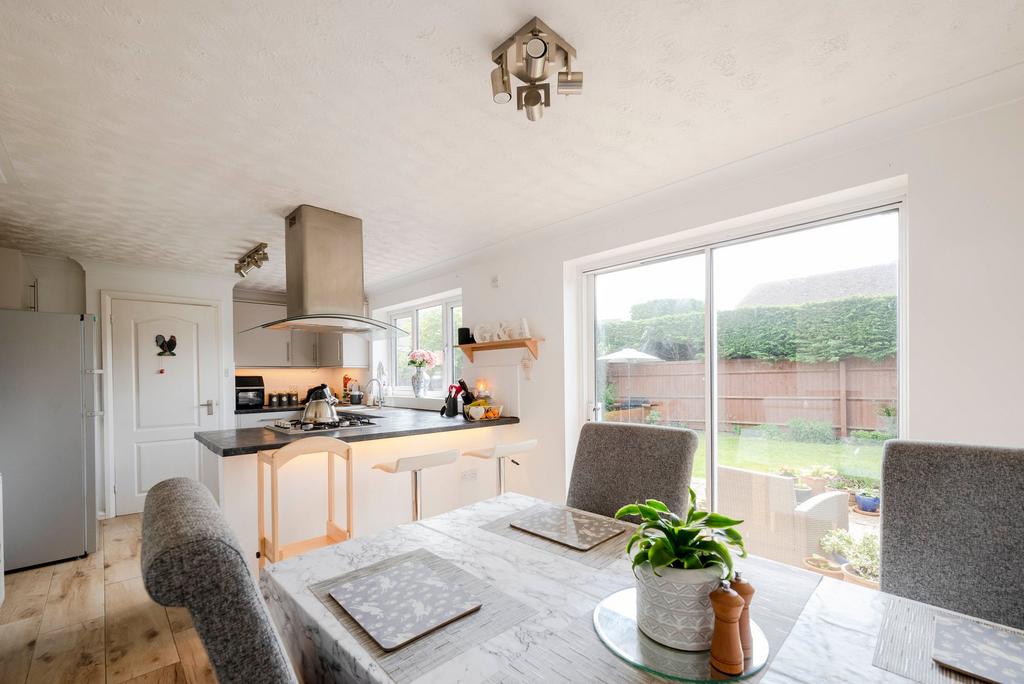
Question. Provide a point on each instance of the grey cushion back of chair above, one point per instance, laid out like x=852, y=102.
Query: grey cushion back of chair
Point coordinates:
x=619, y=463
x=191, y=558
x=953, y=527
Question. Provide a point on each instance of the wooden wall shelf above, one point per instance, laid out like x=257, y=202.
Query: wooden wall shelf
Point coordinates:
x=529, y=343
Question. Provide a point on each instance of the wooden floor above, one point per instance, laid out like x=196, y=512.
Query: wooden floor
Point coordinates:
x=91, y=620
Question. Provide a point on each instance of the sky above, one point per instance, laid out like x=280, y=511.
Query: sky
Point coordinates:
x=859, y=242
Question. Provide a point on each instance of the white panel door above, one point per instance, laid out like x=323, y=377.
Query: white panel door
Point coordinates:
x=160, y=401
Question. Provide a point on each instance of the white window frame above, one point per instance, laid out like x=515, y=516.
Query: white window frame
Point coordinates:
x=409, y=311
x=590, y=402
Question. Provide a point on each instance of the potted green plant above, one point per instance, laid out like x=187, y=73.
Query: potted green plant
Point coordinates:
x=800, y=488
x=817, y=476
x=823, y=566
x=836, y=543
x=868, y=500
x=863, y=565
x=678, y=561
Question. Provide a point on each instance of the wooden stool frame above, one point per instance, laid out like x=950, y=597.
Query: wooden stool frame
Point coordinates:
x=271, y=550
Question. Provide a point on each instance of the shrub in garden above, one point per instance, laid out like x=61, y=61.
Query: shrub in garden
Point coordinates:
x=815, y=431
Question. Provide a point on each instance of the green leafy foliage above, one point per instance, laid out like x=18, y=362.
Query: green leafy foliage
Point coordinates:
x=871, y=435
x=701, y=539
x=863, y=555
x=664, y=307
x=814, y=431
x=863, y=327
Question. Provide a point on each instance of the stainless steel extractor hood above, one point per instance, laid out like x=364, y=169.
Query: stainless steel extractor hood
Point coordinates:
x=324, y=275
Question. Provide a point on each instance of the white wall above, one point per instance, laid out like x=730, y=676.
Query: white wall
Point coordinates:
x=105, y=276
x=957, y=154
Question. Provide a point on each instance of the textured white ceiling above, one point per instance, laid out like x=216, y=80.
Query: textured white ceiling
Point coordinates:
x=180, y=133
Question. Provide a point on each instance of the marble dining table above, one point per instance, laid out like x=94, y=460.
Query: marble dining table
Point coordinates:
x=821, y=629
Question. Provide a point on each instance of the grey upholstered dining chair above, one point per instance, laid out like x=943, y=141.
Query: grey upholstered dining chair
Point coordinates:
x=191, y=558
x=619, y=463
x=953, y=527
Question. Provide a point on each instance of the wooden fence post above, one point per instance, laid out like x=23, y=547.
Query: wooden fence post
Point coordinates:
x=843, y=412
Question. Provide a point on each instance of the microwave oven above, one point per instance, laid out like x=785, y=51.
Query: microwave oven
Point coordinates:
x=249, y=392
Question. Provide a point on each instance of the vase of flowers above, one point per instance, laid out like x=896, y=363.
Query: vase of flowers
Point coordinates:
x=678, y=561
x=422, y=360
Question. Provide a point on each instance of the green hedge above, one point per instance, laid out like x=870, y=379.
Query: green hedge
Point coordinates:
x=863, y=327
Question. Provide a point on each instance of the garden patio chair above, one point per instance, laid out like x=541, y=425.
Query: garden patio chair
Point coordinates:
x=774, y=525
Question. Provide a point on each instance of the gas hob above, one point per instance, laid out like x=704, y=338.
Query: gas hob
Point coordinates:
x=297, y=427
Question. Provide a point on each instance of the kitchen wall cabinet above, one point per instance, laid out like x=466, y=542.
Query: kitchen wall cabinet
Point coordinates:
x=260, y=348
x=338, y=350
x=284, y=349
x=303, y=350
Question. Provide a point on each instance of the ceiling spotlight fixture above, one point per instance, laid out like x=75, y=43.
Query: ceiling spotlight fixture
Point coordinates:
x=254, y=258
x=529, y=55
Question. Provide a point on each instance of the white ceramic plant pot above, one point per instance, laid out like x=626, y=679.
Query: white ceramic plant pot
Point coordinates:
x=675, y=609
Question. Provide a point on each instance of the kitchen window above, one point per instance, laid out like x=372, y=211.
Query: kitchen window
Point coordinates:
x=432, y=325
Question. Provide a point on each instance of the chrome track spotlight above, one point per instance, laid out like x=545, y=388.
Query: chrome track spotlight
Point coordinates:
x=529, y=54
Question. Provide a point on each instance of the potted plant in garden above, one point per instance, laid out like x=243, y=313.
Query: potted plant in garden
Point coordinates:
x=817, y=476
x=678, y=561
x=422, y=360
x=863, y=565
x=868, y=501
x=850, y=485
x=823, y=566
x=800, y=488
x=837, y=544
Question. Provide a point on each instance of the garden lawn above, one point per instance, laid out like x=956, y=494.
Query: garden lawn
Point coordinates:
x=766, y=455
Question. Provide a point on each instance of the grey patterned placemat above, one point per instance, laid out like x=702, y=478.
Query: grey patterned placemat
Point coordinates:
x=599, y=556
x=498, y=612
x=906, y=638
x=402, y=603
x=579, y=530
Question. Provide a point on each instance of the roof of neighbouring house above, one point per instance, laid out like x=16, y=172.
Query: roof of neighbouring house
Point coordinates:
x=823, y=287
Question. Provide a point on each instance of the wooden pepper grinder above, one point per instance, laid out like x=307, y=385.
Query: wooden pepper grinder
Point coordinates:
x=746, y=591
x=726, y=647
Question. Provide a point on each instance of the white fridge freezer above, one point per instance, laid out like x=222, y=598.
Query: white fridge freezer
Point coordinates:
x=47, y=436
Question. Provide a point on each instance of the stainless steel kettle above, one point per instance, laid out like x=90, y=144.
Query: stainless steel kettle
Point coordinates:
x=320, y=405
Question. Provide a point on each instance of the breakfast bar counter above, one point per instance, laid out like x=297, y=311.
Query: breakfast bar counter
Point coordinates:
x=389, y=423
x=227, y=465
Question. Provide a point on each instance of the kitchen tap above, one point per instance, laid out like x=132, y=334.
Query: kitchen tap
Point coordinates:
x=380, y=393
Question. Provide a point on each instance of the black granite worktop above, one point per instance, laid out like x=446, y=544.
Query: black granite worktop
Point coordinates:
x=270, y=409
x=390, y=422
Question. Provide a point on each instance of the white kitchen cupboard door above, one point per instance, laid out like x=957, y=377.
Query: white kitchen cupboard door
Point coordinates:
x=303, y=350
x=328, y=350
x=260, y=348
x=355, y=351
x=160, y=401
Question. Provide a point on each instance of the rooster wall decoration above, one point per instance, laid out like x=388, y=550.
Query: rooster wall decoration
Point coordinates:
x=166, y=345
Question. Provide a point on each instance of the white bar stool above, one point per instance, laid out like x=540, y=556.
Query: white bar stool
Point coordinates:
x=501, y=452
x=271, y=550
x=415, y=465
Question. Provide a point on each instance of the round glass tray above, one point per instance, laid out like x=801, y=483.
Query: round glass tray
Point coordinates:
x=615, y=623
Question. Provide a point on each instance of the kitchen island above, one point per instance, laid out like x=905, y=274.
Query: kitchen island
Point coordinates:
x=380, y=500
x=389, y=423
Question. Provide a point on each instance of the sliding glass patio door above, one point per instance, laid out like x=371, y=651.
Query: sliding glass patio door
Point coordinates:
x=789, y=340
x=649, y=358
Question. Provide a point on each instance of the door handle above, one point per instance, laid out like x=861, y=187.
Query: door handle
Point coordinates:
x=209, y=406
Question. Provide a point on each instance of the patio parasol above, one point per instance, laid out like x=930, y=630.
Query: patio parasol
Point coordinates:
x=629, y=356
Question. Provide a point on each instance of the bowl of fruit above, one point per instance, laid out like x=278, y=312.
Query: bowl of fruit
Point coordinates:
x=483, y=410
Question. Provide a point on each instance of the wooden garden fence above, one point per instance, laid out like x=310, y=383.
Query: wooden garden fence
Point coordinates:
x=847, y=394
